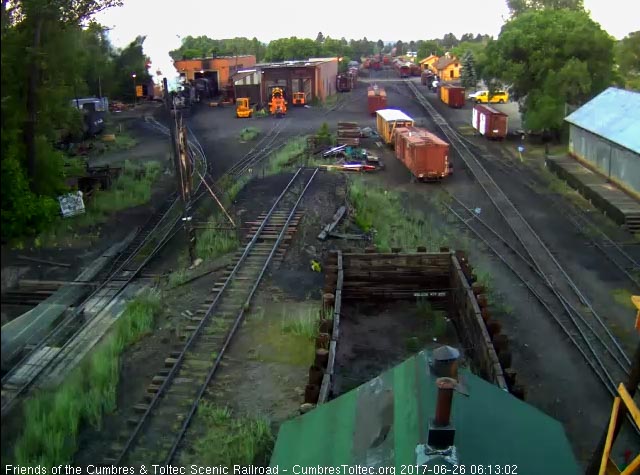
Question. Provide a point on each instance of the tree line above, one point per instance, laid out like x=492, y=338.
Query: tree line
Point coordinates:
x=52, y=53
x=549, y=53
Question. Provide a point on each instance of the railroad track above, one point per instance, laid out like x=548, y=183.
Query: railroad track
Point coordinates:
x=49, y=360
x=553, y=303
x=573, y=312
x=265, y=146
x=164, y=419
x=628, y=265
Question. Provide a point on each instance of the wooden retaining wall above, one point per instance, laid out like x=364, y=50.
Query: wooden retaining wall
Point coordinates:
x=444, y=277
x=321, y=372
x=472, y=330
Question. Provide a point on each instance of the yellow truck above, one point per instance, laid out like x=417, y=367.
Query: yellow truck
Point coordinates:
x=483, y=97
x=243, y=108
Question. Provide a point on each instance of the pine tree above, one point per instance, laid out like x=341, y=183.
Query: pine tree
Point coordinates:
x=468, y=77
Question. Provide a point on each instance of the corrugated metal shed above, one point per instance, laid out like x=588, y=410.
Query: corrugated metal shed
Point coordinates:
x=384, y=423
x=613, y=114
x=393, y=114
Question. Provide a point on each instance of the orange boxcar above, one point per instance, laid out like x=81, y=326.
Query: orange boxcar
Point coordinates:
x=423, y=153
x=377, y=99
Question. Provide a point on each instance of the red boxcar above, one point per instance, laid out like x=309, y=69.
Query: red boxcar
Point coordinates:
x=377, y=99
x=489, y=122
x=423, y=153
x=453, y=96
x=415, y=70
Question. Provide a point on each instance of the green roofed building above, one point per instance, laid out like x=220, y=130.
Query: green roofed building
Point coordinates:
x=389, y=422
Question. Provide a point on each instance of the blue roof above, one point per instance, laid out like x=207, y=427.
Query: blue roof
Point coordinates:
x=613, y=114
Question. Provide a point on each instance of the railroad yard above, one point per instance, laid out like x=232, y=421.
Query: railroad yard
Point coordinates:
x=248, y=338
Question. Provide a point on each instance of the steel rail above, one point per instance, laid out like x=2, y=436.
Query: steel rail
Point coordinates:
x=603, y=375
x=238, y=321
x=535, y=293
x=66, y=324
x=567, y=305
x=581, y=222
x=196, y=333
x=485, y=180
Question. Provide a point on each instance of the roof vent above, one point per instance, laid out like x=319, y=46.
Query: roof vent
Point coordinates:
x=445, y=362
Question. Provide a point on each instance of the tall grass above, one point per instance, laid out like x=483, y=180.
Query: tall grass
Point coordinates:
x=436, y=320
x=286, y=156
x=132, y=188
x=230, y=440
x=300, y=324
x=212, y=242
x=53, y=418
x=381, y=212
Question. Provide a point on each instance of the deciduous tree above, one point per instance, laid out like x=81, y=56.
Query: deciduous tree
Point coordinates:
x=551, y=57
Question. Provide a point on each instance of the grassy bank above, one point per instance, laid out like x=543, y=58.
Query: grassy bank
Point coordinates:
x=52, y=419
x=381, y=212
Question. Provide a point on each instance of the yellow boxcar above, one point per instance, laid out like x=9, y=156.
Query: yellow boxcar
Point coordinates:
x=388, y=120
x=444, y=94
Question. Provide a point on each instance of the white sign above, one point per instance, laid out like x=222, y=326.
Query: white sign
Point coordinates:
x=71, y=204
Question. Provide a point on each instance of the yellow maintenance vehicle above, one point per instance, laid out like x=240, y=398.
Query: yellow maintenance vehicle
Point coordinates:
x=243, y=108
x=299, y=98
x=277, y=105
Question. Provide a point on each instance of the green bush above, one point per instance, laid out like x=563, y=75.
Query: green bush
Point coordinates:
x=23, y=212
x=324, y=135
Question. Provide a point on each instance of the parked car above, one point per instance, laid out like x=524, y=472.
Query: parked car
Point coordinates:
x=482, y=97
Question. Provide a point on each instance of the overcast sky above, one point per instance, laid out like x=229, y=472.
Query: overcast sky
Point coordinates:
x=164, y=22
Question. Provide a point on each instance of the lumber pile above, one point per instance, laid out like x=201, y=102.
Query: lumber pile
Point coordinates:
x=348, y=134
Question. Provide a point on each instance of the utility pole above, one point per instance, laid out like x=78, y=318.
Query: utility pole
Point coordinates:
x=184, y=172
x=182, y=166
x=171, y=114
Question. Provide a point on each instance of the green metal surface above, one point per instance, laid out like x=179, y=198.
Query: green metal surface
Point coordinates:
x=380, y=424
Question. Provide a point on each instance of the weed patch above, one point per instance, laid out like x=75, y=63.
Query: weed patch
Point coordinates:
x=214, y=242
x=53, y=418
x=284, y=332
x=249, y=133
x=230, y=440
x=381, y=212
x=286, y=156
x=436, y=320
x=300, y=324
x=132, y=188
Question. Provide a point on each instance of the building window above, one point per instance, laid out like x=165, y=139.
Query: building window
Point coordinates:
x=451, y=73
